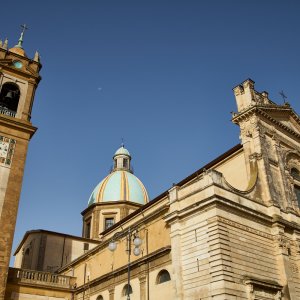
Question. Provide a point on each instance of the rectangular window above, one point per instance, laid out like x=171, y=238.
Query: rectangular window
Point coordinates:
x=87, y=232
x=85, y=246
x=109, y=222
x=297, y=191
x=125, y=163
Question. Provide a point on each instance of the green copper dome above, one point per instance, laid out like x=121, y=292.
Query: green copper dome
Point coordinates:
x=120, y=184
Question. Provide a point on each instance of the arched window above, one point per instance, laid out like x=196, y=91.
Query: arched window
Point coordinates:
x=100, y=297
x=163, y=276
x=9, y=99
x=296, y=175
x=125, y=290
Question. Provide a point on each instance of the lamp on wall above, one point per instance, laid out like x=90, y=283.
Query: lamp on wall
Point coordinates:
x=131, y=237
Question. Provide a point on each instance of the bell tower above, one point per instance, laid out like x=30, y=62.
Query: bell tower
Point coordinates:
x=19, y=78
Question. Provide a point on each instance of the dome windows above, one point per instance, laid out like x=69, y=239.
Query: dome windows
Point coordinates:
x=122, y=159
x=125, y=163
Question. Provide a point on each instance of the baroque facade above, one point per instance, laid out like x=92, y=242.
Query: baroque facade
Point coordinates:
x=231, y=230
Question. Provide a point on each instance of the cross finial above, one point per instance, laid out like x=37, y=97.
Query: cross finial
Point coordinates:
x=122, y=144
x=20, y=42
x=24, y=26
x=284, y=97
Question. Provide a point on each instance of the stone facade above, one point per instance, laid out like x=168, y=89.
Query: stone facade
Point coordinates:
x=47, y=251
x=231, y=230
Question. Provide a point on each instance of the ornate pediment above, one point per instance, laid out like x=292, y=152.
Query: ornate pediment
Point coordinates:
x=258, y=289
x=283, y=116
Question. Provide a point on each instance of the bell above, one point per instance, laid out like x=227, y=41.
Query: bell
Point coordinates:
x=9, y=95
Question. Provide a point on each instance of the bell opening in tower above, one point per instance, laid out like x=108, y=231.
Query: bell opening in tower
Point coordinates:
x=9, y=99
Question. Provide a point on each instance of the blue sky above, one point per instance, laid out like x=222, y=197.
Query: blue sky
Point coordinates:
x=157, y=73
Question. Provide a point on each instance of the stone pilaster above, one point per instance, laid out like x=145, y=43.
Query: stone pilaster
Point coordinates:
x=177, y=261
x=220, y=260
x=111, y=293
x=143, y=290
x=282, y=253
x=10, y=210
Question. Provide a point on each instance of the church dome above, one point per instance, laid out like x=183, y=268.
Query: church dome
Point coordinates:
x=122, y=150
x=17, y=50
x=120, y=184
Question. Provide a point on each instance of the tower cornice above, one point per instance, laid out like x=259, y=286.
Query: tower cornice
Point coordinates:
x=17, y=124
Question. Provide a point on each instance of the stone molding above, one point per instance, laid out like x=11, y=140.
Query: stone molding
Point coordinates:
x=120, y=275
x=246, y=114
x=283, y=244
x=263, y=289
x=245, y=228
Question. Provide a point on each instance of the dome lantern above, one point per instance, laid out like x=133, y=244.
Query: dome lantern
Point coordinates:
x=122, y=159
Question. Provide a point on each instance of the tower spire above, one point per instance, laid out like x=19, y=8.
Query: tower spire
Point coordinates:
x=20, y=42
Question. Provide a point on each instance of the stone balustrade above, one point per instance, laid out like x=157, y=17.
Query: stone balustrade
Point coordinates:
x=7, y=112
x=40, y=278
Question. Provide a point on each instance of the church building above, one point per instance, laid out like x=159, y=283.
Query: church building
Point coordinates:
x=229, y=231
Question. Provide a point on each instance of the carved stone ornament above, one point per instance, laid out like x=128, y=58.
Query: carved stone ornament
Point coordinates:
x=297, y=246
x=283, y=244
x=292, y=159
x=261, y=289
x=294, y=268
x=253, y=120
x=255, y=156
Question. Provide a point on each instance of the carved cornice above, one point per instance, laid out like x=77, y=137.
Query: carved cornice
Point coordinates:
x=111, y=276
x=261, y=109
x=216, y=201
x=18, y=124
